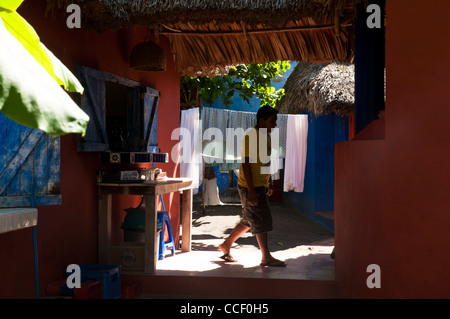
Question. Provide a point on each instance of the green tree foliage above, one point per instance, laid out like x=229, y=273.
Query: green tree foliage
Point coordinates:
x=247, y=80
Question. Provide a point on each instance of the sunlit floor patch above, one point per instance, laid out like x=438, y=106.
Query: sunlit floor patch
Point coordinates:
x=305, y=246
x=306, y=262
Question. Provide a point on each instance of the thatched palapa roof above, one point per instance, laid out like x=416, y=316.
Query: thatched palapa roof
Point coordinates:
x=206, y=36
x=320, y=89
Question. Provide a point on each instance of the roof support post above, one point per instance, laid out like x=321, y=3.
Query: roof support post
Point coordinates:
x=369, y=66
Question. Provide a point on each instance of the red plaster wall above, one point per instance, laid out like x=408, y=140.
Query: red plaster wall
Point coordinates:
x=67, y=233
x=392, y=196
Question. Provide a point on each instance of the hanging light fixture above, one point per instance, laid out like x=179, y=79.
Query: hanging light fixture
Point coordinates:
x=148, y=56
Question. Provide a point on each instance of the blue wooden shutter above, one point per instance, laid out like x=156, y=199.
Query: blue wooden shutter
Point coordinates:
x=92, y=101
x=29, y=164
x=135, y=114
x=151, y=102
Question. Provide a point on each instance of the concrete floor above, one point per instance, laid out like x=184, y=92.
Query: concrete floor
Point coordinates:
x=304, y=245
x=201, y=273
x=304, y=262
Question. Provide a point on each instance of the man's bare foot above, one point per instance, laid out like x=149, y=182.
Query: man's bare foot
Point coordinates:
x=226, y=253
x=273, y=263
x=225, y=249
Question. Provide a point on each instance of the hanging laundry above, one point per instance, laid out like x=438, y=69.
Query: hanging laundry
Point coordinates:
x=296, y=146
x=212, y=117
x=224, y=119
x=191, y=158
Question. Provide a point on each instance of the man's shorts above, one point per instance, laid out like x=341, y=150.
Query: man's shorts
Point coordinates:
x=259, y=217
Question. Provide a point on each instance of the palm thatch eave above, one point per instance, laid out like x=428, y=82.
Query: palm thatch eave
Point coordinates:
x=207, y=37
x=102, y=15
x=320, y=89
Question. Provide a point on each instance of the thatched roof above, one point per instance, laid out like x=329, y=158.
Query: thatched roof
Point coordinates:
x=206, y=36
x=320, y=89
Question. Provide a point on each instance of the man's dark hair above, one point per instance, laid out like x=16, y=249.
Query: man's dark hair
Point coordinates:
x=264, y=112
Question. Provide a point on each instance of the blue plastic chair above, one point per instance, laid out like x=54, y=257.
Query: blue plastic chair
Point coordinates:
x=163, y=218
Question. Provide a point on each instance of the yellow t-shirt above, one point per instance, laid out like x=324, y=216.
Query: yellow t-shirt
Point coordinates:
x=253, y=145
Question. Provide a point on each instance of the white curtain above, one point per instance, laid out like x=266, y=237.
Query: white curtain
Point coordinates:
x=191, y=160
x=295, y=163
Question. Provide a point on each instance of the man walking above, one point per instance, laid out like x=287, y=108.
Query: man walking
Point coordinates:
x=254, y=180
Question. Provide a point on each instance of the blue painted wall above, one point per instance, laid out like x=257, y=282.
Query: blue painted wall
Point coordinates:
x=318, y=193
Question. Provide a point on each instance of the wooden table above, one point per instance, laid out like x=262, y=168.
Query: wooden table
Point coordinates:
x=150, y=191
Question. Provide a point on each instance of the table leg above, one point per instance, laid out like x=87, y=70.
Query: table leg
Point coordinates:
x=151, y=241
x=36, y=269
x=186, y=217
x=104, y=228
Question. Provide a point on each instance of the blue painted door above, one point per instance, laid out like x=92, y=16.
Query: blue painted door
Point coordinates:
x=29, y=165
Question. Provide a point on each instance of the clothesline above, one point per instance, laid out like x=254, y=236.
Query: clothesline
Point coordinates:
x=224, y=119
x=290, y=143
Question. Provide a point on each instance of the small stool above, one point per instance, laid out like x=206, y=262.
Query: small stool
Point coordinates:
x=163, y=218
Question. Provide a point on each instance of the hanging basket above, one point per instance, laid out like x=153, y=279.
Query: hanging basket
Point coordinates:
x=148, y=56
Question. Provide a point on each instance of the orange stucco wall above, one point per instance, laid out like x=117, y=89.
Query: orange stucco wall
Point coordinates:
x=67, y=233
x=392, y=195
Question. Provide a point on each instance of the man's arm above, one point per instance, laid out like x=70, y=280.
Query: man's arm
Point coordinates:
x=251, y=194
x=270, y=192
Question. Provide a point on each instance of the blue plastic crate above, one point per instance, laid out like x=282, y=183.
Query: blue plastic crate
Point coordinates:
x=108, y=274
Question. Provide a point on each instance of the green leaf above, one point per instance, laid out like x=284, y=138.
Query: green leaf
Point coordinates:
x=30, y=96
x=247, y=80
